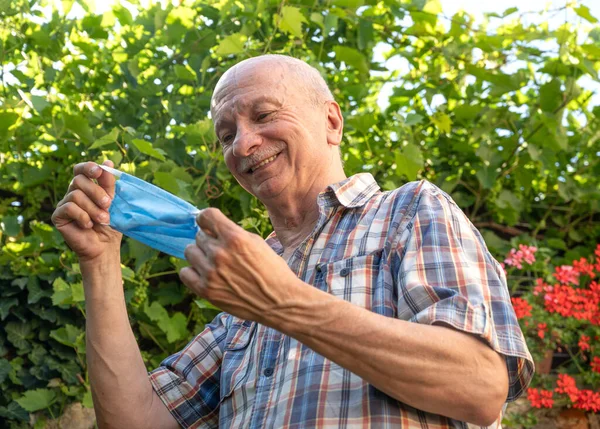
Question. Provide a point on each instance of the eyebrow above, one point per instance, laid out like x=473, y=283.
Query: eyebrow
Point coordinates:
x=226, y=118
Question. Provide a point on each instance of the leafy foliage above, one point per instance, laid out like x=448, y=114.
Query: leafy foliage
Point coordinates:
x=499, y=119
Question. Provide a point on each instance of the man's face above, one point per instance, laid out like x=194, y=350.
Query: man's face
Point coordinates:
x=272, y=135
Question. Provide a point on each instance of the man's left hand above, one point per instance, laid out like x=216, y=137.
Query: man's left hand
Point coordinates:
x=236, y=270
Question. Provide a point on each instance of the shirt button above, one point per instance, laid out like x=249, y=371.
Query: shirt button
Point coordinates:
x=344, y=272
x=319, y=268
x=268, y=372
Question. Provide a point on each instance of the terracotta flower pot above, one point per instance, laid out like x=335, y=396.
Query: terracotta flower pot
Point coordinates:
x=545, y=365
x=572, y=419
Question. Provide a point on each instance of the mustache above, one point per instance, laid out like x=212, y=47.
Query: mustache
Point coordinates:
x=255, y=158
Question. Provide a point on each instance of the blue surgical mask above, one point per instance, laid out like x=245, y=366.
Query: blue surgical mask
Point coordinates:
x=152, y=215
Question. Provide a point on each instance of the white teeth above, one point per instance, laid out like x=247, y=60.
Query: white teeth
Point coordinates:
x=266, y=161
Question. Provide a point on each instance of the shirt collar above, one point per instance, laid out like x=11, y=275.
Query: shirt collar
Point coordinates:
x=352, y=192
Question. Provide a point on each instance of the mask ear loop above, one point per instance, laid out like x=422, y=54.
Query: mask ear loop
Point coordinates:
x=113, y=171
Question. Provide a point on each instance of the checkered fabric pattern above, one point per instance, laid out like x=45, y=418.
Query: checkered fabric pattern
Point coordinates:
x=409, y=253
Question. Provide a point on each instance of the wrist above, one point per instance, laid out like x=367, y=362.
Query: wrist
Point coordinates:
x=101, y=262
x=302, y=312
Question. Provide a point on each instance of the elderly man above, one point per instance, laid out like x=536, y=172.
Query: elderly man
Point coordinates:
x=362, y=309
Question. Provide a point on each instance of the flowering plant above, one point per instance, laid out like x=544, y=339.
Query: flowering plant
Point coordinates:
x=559, y=311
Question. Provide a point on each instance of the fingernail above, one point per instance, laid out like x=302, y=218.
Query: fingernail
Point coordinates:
x=94, y=169
x=90, y=224
x=105, y=201
x=103, y=217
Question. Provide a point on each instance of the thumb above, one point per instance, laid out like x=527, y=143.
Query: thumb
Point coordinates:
x=107, y=180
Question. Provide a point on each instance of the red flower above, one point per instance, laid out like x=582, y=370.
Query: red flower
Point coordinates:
x=588, y=400
x=515, y=258
x=595, y=364
x=584, y=343
x=541, y=330
x=522, y=307
x=565, y=274
x=566, y=384
x=540, y=398
x=583, y=267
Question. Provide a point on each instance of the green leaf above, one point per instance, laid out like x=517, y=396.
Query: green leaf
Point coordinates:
x=365, y=34
x=409, y=161
x=77, y=292
x=509, y=206
x=584, y=12
x=147, y=149
x=10, y=225
x=551, y=95
x=63, y=293
x=14, y=412
x=66, y=6
x=205, y=305
x=352, y=58
x=39, y=103
x=107, y=139
x=442, y=122
x=290, y=21
x=80, y=127
x=5, y=305
x=123, y=15
x=413, y=119
x=5, y=369
x=127, y=273
x=487, y=177
x=350, y=4
x=67, y=335
x=7, y=120
x=175, y=328
x=87, y=400
x=318, y=19
x=185, y=73
x=156, y=312
x=19, y=334
x=38, y=399
x=556, y=243
x=232, y=44
x=433, y=7
x=167, y=182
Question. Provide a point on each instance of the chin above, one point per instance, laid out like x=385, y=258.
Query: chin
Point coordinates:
x=267, y=190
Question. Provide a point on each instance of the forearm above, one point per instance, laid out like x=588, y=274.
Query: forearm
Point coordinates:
x=432, y=368
x=118, y=377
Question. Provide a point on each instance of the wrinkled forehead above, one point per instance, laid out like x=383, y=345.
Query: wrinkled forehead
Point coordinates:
x=245, y=82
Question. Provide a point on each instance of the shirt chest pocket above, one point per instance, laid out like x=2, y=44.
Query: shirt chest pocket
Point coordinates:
x=237, y=358
x=353, y=279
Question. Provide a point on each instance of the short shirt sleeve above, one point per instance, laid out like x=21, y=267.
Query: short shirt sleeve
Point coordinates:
x=446, y=275
x=188, y=382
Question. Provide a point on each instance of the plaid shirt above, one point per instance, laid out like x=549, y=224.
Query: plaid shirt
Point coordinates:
x=410, y=253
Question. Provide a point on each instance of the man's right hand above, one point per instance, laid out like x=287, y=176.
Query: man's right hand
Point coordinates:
x=79, y=215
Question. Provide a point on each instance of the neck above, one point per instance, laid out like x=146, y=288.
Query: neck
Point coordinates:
x=295, y=216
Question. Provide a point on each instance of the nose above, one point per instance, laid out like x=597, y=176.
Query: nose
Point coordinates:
x=246, y=141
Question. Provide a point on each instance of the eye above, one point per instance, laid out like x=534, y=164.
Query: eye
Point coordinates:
x=226, y=138
x=262, y=116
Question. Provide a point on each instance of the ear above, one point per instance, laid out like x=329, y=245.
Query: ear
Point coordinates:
x=335, y=123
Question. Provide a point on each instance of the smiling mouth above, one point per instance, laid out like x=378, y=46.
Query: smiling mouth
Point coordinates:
x=263, y=163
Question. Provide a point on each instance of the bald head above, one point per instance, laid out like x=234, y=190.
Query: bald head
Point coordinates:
x=294, y=70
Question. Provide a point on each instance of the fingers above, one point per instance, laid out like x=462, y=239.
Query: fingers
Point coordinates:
x=90, y=170
x=197, y=258
x=213, y=222
x=83, y=201
x=107, y=180
x=93, y=192
x=193, y=276
x=71, y=212
x=192, y=280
